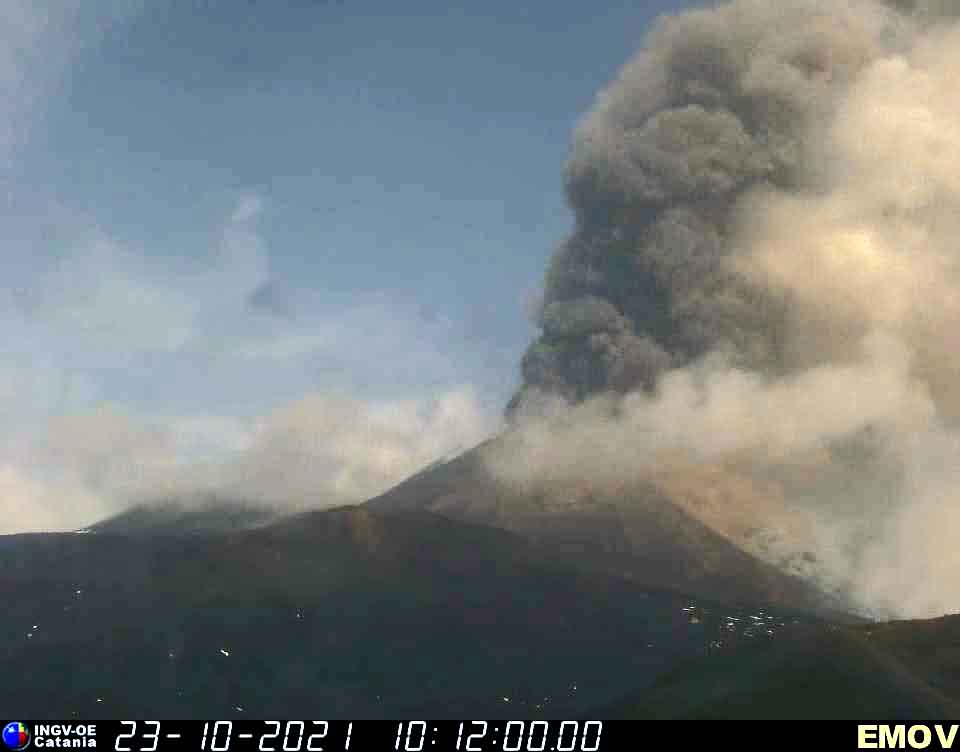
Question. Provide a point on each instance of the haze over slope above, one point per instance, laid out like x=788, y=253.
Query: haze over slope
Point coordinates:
x=638, y=533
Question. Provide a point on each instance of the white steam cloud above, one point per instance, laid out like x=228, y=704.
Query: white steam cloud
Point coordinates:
x=319, y=451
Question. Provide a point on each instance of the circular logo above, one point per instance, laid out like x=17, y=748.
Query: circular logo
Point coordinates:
x=16, y=735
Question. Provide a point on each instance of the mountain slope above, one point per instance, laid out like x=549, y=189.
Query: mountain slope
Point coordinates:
x=366, y=613
x=641, y=534
x=897, y=670
x=347, y=612
x=175, y=517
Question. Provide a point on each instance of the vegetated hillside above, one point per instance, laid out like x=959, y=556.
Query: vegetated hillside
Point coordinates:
x=908, y=669
x=346, y=612
x=642, y=535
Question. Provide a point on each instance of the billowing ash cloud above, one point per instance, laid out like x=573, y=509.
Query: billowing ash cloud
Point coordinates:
x=720, y=103
x=764, y=267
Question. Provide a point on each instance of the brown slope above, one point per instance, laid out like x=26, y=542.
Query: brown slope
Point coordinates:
x=640, y=533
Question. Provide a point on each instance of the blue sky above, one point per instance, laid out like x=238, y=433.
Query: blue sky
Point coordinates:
x=218, y=209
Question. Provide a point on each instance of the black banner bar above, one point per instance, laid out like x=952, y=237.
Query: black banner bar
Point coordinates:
x=467, y=735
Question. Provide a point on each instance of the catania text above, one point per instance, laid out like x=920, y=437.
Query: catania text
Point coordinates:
x=64, y=736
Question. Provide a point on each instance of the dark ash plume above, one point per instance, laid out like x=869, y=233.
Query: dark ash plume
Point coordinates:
x=758, y=307
x=716, y=104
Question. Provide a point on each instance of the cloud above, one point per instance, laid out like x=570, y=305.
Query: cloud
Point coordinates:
x=315, y=452
x=322, y=451
x=712, y=411
x=98, y=320
x=130, y=374
x=104, y=296
x=128, y=378
x=718, y=103
x=29, y=504
x=39, y=39
x=89, y=318
x=757, y=310
x=248, y=209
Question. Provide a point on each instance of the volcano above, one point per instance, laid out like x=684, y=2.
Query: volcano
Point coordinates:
x=352, y=612
x=404, y=607
x=735, y=435
x=637, y=533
